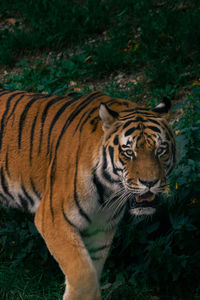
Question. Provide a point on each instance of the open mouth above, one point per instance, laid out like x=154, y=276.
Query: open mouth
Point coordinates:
x=146, y=200
x=149, y=197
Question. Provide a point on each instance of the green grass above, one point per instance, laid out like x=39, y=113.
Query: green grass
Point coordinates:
x=30, y=282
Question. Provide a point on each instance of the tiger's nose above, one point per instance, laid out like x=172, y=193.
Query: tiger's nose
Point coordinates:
x=149, y=184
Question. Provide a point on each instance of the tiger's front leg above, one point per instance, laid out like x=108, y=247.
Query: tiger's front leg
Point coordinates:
x=98, y=246
x=65, y=244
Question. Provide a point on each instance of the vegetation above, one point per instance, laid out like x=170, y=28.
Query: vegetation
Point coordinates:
x=56, y=48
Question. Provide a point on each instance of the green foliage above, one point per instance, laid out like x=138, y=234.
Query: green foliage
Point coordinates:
x=18, y=233
x=27, y=270
x=27, y=282
x=162, y=38
x=53, y=77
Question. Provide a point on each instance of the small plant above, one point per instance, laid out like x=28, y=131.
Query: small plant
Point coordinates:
x=52, y=77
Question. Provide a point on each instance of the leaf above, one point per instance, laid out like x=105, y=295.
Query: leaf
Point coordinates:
x=120, y=278
x=153, y=227
x=181, y=141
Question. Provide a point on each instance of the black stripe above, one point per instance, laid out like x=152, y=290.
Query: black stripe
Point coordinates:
x=138, y=139
x=168, y=131
x=139, y=119
x=5, y=92
x=56, y=118
x=86, y=120
x=14, y=107
x=3, y=198
x=111, y=153
x=137, y=109
x=125, y=146
x=167, y=136
x=147, y=140
x=150, y=136
x=133, y=120
x=127, y=124
x=28, y=197
x=67, y=219
x=6, y=163
x=52, y=178
x=85, y=234
x=121, y=161
x=99, y=188
x=44, y=116
x=100, y=248
x=5, y=185
x=80, y=120
x=32, y=138
x=152, y=121
x=132, y=115
x=81, y=211
x=35, y=98
x=116, y=140
x=155, y=129
x=146, y=112
x=130, y=110
x=95, y=258
x=94, y=122
x=34, y=189
x=8, y=102
x=82, y=105
x=104, y=159
x=131, y=130
x=108, y=177
x=114, y=101
x=51, y=155
x=104, y=167
x=122, y=153
x=24, y=203
x=74, y=114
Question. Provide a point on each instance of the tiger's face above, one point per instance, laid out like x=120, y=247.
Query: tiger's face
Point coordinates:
x=141, y=150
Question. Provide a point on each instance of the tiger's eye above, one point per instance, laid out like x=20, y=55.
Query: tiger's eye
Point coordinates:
x=160, y=150
x=129, y=152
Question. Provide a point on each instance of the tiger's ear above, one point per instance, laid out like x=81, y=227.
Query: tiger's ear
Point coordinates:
x=107, y=116
x=163, y=108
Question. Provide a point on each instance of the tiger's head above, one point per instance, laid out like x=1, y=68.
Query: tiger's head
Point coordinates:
x=141, y=153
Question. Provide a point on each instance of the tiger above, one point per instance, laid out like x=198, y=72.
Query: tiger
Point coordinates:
x=77, y=163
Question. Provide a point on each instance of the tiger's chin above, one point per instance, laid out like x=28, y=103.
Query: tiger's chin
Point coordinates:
x=143, y=205
x=142, y=211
